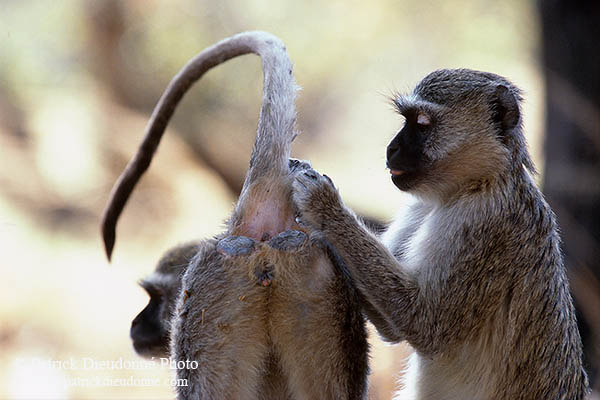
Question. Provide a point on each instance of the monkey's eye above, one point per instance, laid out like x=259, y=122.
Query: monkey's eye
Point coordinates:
x=423, y=119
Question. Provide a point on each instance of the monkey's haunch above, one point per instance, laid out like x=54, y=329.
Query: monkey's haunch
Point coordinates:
x=235, y=246
x=288, y=240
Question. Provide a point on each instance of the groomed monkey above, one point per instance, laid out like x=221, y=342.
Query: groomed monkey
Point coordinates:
x=262, y=309
x=150, y=330
x=471, y=273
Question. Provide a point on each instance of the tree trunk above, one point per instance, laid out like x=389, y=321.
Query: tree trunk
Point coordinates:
x=571, y=61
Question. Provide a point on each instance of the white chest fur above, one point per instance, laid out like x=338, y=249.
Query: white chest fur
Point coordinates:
x=417, y=237
x=433, y=379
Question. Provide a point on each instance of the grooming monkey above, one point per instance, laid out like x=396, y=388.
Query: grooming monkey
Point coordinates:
x=150, y=330
x=471, y=273
x=263, y=309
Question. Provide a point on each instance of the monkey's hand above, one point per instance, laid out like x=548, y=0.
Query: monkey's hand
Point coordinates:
x=316, y=198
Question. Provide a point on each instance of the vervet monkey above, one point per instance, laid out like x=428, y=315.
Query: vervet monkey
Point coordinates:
x=471, y=272
x=150, y=330
x=262, y=309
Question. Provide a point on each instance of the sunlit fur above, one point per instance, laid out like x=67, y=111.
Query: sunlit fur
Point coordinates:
x=472, y=275
x=272, y=323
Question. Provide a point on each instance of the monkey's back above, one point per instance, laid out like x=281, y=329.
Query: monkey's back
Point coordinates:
x=539, y=325
x=282, y=321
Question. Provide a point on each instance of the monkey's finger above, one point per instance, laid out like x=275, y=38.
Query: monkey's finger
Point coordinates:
x=299, y=165
x=312, y=174
x=236, y=246
x=328, y=180
x=288, y=240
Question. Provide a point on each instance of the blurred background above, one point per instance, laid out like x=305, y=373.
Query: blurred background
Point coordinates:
x=79, y=78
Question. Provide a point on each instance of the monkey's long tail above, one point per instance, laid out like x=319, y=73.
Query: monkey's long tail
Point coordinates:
x=275, y=126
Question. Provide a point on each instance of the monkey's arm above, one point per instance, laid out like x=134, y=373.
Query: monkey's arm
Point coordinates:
x=390, y=296
x=383, y=327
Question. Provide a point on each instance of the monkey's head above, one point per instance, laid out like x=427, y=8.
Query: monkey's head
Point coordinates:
x=462, y=130
x=151, y=327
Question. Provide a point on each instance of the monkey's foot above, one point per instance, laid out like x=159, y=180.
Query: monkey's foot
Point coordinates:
x=264, y=275
x=316, y=198
x=288, y=240
x=236, y=246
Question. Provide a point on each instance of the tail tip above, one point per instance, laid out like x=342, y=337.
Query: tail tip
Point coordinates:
x=109, y=243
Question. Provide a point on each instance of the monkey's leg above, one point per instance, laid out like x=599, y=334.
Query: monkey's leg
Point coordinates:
x=219, y=326
x=319, y=331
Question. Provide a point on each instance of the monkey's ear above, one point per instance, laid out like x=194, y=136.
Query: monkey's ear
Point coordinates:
x=505, y=108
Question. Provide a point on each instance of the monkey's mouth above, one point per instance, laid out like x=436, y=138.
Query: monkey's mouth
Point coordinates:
x=404, y=179
x=151, y=346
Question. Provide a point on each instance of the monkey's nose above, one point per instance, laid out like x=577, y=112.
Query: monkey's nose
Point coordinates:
x=391, y=150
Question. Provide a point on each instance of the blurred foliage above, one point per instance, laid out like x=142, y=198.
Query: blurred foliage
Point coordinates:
x=78, y=80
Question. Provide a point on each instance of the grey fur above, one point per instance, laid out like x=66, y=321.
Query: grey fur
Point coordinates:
x=472, y=274
x=265, y=312
x=265, y=318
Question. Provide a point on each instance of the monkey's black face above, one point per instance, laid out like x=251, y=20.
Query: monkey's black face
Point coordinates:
x=150, y=337
x=406, y=157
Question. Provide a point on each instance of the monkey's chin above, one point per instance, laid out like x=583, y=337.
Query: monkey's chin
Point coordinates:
x=149, y=350
x=405, y=181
